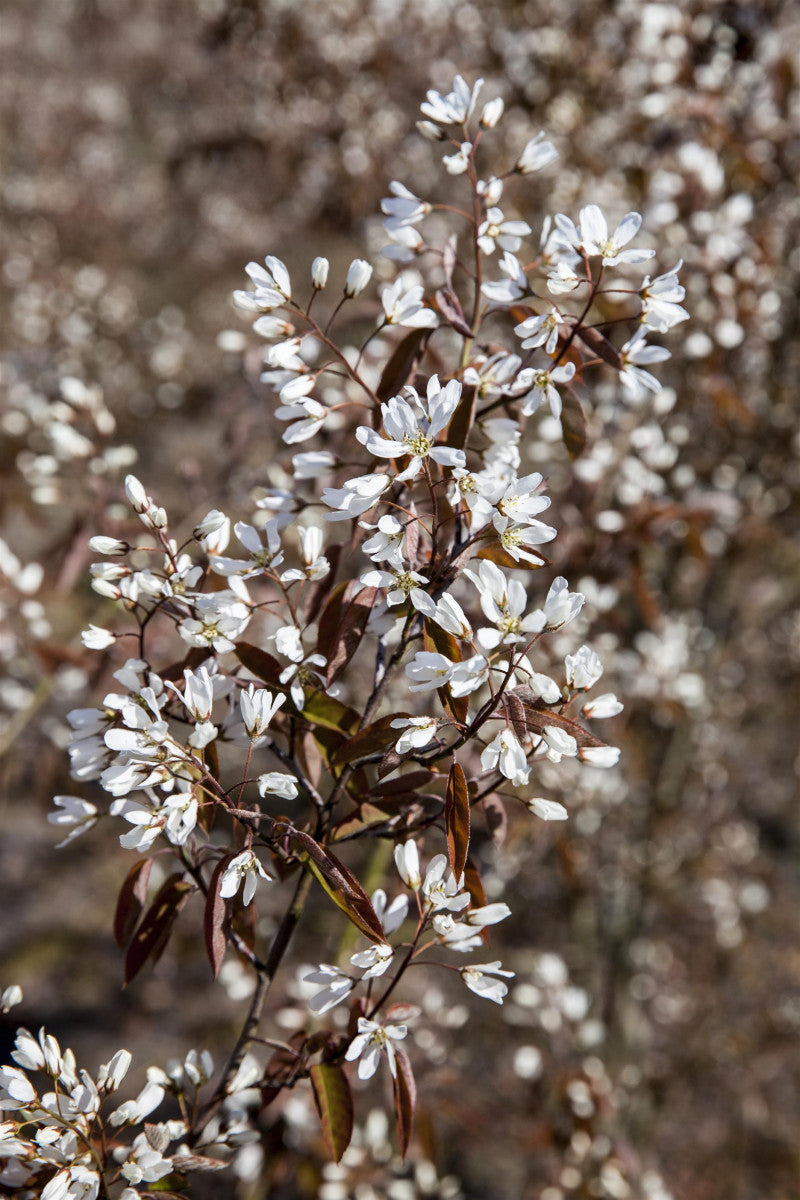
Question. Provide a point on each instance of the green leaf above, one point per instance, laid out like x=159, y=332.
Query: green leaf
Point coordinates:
x=334, y=1104
x=322, y=709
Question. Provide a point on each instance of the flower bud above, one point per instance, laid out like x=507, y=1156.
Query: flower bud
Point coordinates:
x=108, y=545
x=430, y=131
x=319, y=273
x=210, y=523
x=492, y=112
x=359, y=274
x=137, y=496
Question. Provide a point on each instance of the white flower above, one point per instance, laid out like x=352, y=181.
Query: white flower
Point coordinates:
x=548, y=810
x=428, y=671
x=561, y=606
x=405, y=307
x=355, y=497
x=469, y=675
x=483, y=979
x=406, y=859
x=371, y=1041
x=488, y=914
x=600, y=756
x=540, y=331
x=603, y=706
x=456, y=107
x=244, y=868
x=96, y=638
x=10, y=997
x=301, y=674
x=218, y=617
x=374, y=961
x=661, y=307
x=516, y=539
x=413, y=426
x=636, y=355
x=495, y=231
x=583, y=668
x=258, y=707
x=271, y=287
x=315, y=565
x=75, y=812
x=544, y=387
x=391, y=916
x=312, y=463
x=402, y=208
x=261, y=557
x=319, y=273
x=446, y=613
x=440, y=887
x=337, y=986
x=458, y=163
x=559, y=744
x=276, y=783
x=595, y=237
x=537, y=154
x=506, y=753
x=387, y=544
x=562, y=278
x=492, y=112
x=108, y=545
x=515, y=285
x=418, y=732
x=402, y=585
x=359, y=274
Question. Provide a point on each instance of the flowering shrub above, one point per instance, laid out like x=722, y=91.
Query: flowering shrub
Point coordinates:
x=368, y=663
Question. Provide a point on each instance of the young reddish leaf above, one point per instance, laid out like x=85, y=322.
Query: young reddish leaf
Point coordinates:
x=463, y=417
x=351, y=628
x=447, y=303
x=130, y=903
x=516, y=713
x=600, y=344
x=331, y=615
x=152, y=936
x=405, y=1099
x=573, y=424
x=341, y=885
x=371, y=740
x=214, y=920
x=257, y=661
x=496, y=818
x=334, y=1104
x=404, y=785
x=538, y=719
x=497, y=554
x=473, y=884
x=405, y=358
x=318, y=592
x=456, y=819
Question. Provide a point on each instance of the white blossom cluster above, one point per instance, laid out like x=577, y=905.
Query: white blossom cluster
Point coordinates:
x=411, y=647
x=67, y=1136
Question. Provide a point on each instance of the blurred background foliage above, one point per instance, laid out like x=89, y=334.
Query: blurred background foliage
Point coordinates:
x=149, y=150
